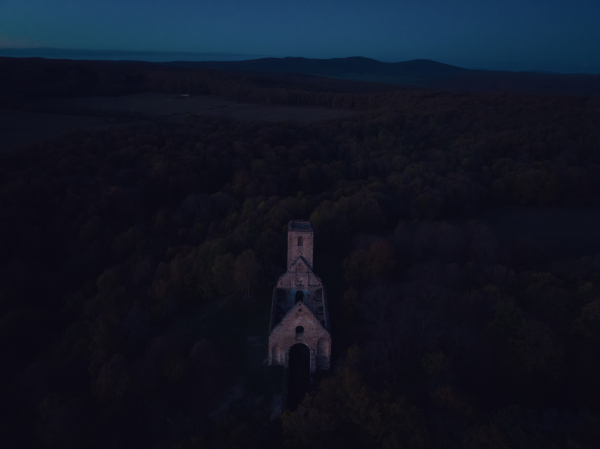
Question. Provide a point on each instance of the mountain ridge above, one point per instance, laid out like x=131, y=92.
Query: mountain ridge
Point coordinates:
x=424, y=73
x=352, y=74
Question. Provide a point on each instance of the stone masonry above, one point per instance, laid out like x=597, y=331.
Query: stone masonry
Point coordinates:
x=299, y=312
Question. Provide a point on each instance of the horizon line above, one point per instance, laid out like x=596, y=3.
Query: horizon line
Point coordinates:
x=239, y=57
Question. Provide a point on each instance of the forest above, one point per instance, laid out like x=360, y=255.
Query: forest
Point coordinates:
x=137, y=265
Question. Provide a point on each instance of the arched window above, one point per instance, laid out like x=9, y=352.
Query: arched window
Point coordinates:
x=299, y=331
x=300, y=241
x=299, y=296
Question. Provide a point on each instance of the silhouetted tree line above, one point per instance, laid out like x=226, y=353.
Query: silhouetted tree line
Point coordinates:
x=133, y=260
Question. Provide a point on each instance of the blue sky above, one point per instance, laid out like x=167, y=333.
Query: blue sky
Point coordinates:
x=509, y=35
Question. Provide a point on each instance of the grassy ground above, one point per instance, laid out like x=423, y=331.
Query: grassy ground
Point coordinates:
x=18, y=128
x=163, y=105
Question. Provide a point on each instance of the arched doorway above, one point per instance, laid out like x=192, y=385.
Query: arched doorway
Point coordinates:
x=298, y=374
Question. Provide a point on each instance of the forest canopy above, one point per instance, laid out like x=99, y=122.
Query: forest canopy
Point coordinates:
x=136, y=262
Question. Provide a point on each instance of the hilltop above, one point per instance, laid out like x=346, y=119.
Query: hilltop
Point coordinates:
x=422, y=73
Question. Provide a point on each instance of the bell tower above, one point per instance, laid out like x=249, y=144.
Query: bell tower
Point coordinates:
x=299, y=310
x=300, y=242
x=299, y=335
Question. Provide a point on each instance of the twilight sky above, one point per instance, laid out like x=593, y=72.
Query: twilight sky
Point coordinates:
x=555, y=35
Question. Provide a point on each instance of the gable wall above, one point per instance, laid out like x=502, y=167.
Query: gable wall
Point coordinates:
x=284, y=335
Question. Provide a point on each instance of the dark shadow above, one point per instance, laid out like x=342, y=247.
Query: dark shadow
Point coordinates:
x=299, y=374
x=299, y=296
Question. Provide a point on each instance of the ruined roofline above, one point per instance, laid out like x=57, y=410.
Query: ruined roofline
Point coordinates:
x=300, y=226
x=289, y=313
x=298, y=260
x=272, y=320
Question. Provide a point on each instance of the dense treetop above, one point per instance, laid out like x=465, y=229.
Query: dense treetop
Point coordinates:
x=126, y=255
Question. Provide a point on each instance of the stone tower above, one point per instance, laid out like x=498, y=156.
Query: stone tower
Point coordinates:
x=299, y=312
x=300, y=242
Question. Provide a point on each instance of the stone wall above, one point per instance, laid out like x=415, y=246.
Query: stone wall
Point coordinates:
x=299, y=313
x=285, y=334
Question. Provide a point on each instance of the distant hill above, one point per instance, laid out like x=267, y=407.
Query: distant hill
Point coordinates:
x=419, y=72
x=24, y=79
x=416, y=72
x=118, y=55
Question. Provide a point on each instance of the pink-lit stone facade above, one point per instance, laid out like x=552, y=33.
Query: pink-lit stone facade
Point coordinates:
x=300, y=303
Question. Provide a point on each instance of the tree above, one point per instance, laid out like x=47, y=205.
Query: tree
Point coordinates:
x=347, y=413
x=222, y=270
x=246, y=271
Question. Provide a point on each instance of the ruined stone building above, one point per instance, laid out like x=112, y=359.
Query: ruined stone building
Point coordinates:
x=299, y=327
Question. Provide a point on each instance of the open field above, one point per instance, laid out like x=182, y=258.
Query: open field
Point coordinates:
x=19, y=128
x=164, y=105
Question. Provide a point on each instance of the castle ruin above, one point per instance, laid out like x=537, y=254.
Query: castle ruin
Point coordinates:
x=299, y=313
